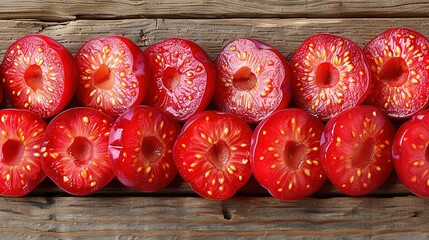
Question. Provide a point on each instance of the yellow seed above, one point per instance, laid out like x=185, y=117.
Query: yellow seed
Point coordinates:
x=66, y=179
x=93, y=183
x=85, y=119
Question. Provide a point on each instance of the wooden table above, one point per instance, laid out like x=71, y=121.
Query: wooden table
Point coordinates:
x=177, y=212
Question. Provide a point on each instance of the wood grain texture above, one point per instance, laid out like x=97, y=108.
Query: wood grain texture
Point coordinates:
x=284, y=34
x=197, y=218
x=56, y=10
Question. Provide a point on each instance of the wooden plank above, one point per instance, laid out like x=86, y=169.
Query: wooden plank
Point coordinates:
x=284, y=34
x=197, y=218
x=56, y=10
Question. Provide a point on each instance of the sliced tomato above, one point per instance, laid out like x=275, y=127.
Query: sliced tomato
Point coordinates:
x=411, y=153
x=285, y=154
x=113, y=74
x=356, y=148
x=183, y=78
x=141, y=148
x=39, y=74
x=399, y=60
x=212, y=154
x=330, y=75
x=74, y=150
x=253, y=80
x=20, y=141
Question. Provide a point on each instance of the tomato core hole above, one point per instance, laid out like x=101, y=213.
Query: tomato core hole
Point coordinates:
x=170, y=78
x=12, y=150
x=82, y=150
x=394, y=72
x=327, y=75
x=152, y=149
x=34, y=77
x=364, y=154
x=244, y=79
x=103, y=77
x=294, y=153
x=218, y=154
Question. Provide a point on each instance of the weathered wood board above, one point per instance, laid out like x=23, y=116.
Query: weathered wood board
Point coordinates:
x=177, y=212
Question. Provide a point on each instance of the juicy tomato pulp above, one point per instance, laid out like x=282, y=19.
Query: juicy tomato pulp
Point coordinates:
x=39, y=74
x=141, y=148
x=356, y=148
x=212, y=154
x=113, y=75
x=183, y=78
x=74, y=150
x=411, y=154
x=330, y=75
x=285, y=154
x=399, y=60
x=20, y=141
x=253, y=80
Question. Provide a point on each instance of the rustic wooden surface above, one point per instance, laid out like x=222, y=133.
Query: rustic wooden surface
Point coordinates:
x=177, y=212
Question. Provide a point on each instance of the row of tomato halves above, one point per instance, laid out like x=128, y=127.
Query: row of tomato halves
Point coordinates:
x=328, y=133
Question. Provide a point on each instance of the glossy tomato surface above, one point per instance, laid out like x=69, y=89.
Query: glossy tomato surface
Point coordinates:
x=74, y=151
x=39, y=74
x=411, y=153
x=212, y=154
x=330, y=75
x=141, y=148
x=285, y=154
x=253, y=80
x=183, y=78
x=20, y=142
x=113, y=74
x=356, y=148
x=399, y=60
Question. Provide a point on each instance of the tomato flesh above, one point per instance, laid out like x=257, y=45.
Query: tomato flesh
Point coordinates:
x=330, y=75
x=253, y=80
x=212, y=154
x=182, y=78
x=20, y=142
x=39, y=74
x=74, y=151
x=399, y=61
x=411, y=154
x=285, y=154
x=113, y=74
x=356, y=148
x=140, y=148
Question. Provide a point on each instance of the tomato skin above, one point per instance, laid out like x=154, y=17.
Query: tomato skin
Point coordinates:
x=212, y=154
x=53, y=95
x=20, y=140
x=253, y=80
x=74, y=152
x=410, y=153
x=356, y=148
x=183, y=78
x=398, y=60
x=330, y=75
x=120, y=78
x=140, y=148
x=284, y=154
